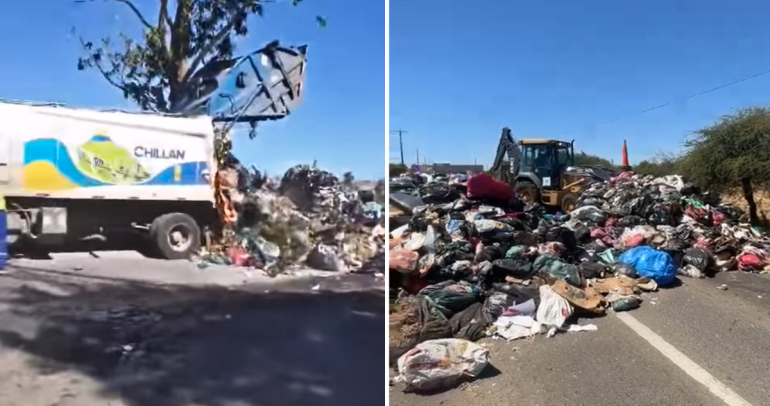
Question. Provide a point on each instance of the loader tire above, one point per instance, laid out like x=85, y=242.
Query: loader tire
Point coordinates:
x=527, y=192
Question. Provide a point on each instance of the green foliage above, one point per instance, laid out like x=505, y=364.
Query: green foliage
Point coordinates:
x=661, y=165
x=153, y=71
x=397, y=169
x=584, y=159
x=731, y=151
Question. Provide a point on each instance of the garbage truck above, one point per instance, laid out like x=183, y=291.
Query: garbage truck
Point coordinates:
x=72, y=175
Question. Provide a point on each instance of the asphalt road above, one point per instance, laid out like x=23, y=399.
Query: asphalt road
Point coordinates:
x=707, y=336
x=72, y=337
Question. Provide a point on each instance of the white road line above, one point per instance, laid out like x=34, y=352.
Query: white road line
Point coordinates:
x=684, y=362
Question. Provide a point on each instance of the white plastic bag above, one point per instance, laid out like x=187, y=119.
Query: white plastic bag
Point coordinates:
x=442, y=363
x=554, y=310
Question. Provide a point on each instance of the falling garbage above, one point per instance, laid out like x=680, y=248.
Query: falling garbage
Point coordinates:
x=307, y=218
x=471, y=260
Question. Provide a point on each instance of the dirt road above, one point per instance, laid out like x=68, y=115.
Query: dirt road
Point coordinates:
x=82, y=341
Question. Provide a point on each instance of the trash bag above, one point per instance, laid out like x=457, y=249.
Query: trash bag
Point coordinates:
x=483, y=186
x=484, y=226
x=496, y=303
x=563, y=235
x=518, y=268
x=415, y=321
x=589, y=214
x=470, y=324
x=620, y=268
x=591, y=270
x=433, y=193
x=553, y=310
x=651, y=263
x=698, y=257
x=515, y=251
x=558, y=269
x=440, y=364
x=451, y=297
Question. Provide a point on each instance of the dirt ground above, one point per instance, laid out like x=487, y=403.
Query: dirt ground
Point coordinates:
x=763, y=204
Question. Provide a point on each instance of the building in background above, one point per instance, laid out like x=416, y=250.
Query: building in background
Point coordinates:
x=447, y=168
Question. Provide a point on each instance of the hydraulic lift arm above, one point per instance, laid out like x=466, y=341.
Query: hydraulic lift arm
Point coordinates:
x=506, y=146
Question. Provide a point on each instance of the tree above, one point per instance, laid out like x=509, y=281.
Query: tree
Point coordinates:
x=583, y=159
x=397, y=169
x=732, y=154
x=155, y=71
x=661, y=165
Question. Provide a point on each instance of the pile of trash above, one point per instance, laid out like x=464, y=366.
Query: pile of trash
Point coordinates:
x=308, y=217
x=473, y=261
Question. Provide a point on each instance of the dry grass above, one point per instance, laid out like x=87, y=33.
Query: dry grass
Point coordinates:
x=761, y=197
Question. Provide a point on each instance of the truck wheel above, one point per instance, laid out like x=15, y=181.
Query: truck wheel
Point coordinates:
x=175, y=236
x=527, y=192
x=569, y=203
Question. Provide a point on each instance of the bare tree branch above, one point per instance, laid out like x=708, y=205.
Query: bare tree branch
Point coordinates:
x=163, y=15
x=133, y=8
x=137, y=12
x=222, y=34
x=98, y=66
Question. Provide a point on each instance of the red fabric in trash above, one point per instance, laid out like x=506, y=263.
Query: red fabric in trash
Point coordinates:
x=748, y=262
x=598, y=233
x=718, y=218
x=483, y=186
x=634, y=241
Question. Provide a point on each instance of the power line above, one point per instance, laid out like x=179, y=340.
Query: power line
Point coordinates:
x=692, y=96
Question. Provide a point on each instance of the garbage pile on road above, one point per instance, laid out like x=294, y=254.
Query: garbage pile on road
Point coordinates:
x=307, y=218
x=473, y=261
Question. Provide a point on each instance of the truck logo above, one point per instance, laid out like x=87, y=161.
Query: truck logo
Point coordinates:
x=157, y=153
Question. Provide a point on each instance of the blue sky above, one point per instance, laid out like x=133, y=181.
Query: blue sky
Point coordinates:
x=459, y=72
x=341, y=122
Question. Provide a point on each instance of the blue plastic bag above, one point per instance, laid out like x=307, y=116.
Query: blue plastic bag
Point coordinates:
x=651, y=263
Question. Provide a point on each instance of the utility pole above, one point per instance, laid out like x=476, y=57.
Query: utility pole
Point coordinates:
x=400, y=143
x=418, y=156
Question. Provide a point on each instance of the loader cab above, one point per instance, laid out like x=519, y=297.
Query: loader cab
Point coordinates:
x=546, y=159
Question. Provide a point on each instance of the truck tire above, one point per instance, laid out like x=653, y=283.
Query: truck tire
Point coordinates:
x=527, y=192
x=175, y=236
x=569, y=203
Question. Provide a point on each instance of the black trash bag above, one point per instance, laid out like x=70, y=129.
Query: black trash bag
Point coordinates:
x=517, y=224
x=590, y=214
x=592, y=201
x=591, y=270
x=520, y=294
x=563, y=235
x=471, y=323
x=629, y=221
x=543, y=226
x=619, y=268
x=582, y=233
x=416, y=322
x=496, y=303
x=490, y=253
x=451, y=297
x=699, y=258
x=518, y=268
x=438, y=193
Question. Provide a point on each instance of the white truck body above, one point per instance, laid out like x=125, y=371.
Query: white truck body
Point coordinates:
x=73, y=176
x=65, y=153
